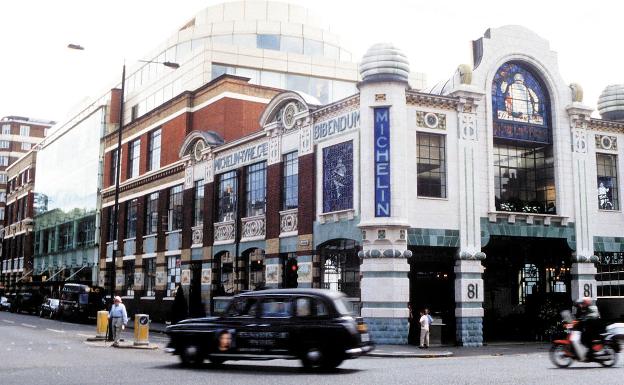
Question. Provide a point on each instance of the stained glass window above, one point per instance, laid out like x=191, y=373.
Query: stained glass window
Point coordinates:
x=610, y=275
x=607, y=183
x=338, y=177
x=520, y=105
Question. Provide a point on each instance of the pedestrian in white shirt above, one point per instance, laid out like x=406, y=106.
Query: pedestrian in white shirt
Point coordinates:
x=119, y=318
x=424, y=330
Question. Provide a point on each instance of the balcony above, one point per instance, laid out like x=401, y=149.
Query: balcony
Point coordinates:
x=288, y=223
x=224, y=232
x=253, y=228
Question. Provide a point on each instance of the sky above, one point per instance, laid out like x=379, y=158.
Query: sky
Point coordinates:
x=41, y=78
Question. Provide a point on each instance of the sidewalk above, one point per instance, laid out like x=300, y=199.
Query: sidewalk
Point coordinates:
x=496, y=349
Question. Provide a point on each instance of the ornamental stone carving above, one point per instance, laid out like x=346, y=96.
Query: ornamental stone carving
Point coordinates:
x=224, y=231
x=254, y=227
x=467, y=126
x=288, y=221
x=430, y=120
x=606, y=142
x=209, y=176
x=305, y=141
x=188, y=177
x=274, y=150
x=579, y=141
x=198, y=236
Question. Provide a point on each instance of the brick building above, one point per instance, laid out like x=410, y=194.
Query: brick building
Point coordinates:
x=160, y=219
x=17, y=258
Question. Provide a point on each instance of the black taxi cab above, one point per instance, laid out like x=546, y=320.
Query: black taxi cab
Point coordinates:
x=313, y=325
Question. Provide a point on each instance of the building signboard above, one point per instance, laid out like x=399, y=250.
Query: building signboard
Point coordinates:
x=337, y=125
x=247, y=155
x=382, y=162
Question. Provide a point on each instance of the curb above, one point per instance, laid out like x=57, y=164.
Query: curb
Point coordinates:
x=411, y=355
x=102, y=344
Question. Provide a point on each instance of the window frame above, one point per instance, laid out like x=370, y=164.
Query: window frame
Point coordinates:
x=290, y=184
x=198, y=203
x=442, y=176
x=151, y=214
x=131, y=218
x=153, y=161
x=134, y=158
x=256, y=189
x=612, y=164
x=175, y=208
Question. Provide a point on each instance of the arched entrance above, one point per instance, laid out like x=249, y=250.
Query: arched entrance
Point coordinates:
x=527, y=284
x=252, y=272
x=340, y=266
x=223, y=274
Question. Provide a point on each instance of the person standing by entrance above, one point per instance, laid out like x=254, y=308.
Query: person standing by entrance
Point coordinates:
x=119, y=317
x=424, y=330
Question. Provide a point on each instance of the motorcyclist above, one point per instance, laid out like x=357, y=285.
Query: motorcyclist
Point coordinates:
x=588, y=318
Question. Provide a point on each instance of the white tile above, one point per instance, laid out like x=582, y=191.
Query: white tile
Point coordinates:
x=245, y=26
x=269, y=27
x=255, y=10
x=222, y=27
x=214, y=14
x=275, y=64
x=312, y=33
x=292, y=29
x=299, y=68
x=277, y=11
x=234, y=11
x=297, y=14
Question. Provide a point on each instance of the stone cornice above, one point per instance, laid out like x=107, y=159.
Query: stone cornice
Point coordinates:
x=350, y=101
x=606, y=125
x=429, y=100
x=178, y=168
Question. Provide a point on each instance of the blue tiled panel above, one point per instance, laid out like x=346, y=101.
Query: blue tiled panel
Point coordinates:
x=433, y=237
x=129, y=247
x=609, y=244
x=173, y=241
x=338, y=177
x=149, y=245
x=523, y=229
x=342, y=229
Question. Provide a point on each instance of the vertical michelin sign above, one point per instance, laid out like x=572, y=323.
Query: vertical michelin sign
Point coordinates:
x=382, y=162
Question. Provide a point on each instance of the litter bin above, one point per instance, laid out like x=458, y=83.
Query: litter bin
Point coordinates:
x=102, y=324
x=141, y=329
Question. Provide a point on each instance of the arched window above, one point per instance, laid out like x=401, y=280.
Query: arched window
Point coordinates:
x=340, y=267
x=257, y=269
x=524, y=176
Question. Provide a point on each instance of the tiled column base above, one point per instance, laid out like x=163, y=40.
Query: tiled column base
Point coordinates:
x=469, y=331
x=388, y=330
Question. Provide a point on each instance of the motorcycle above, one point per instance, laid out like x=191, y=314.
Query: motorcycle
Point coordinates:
x=603, y=351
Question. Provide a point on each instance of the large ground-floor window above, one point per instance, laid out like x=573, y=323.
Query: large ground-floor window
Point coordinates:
x=610, y=277
x=340, y=267
x=524, y=178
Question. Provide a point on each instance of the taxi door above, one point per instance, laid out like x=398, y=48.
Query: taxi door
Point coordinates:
x=275, y=324
x=236, y=331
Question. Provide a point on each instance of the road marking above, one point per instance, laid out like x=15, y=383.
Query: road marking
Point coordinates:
x=56, y=330
x=8, y=321
x=29, y=326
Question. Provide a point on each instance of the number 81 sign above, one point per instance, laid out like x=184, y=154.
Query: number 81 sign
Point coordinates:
x=471, y=290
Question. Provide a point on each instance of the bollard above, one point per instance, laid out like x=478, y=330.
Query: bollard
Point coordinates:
x=141, y=329
x=102, y=324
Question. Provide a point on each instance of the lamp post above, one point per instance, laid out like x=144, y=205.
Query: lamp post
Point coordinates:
x=117, y=160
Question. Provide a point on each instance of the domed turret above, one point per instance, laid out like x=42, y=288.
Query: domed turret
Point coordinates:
x=611, y=102
x=384, y=62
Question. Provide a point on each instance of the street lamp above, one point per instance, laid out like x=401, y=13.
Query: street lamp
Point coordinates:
x=118, y=160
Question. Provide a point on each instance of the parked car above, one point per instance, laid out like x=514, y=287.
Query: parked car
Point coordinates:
x=313, y=325
x=28, y=301
x=5, y=304
x=50, y=308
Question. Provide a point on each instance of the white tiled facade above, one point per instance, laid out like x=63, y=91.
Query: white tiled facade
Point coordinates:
x=466, y=220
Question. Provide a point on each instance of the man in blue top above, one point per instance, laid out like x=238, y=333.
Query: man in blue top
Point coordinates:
x=119, y=317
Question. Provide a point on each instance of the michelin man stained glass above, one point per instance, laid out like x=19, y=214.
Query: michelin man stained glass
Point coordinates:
x=338, y=177
x=520, y=105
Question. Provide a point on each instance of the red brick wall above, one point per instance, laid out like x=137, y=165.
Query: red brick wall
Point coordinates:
x=307, y=190
x=274, y=200
x=172, y=136
x=230, y=118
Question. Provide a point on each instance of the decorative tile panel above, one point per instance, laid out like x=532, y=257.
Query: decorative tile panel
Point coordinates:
x=338, y=177
x=606, y=142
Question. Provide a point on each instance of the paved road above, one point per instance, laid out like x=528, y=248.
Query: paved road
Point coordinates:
x=39, y=351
